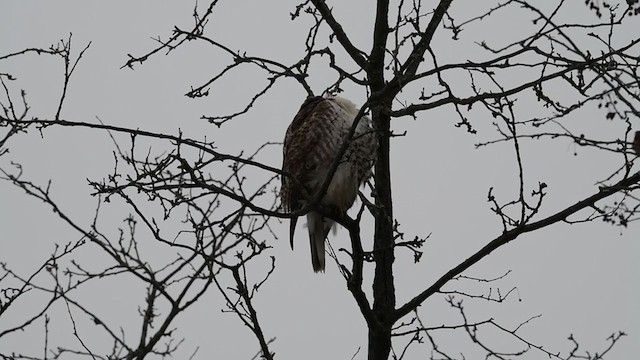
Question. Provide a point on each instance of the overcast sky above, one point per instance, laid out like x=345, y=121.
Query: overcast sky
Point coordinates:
x=583, y=279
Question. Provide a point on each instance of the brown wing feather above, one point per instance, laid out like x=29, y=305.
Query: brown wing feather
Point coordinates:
x=301, y=151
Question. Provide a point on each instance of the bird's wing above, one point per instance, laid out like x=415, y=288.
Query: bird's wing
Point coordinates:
x=309, y=149
x=308, y=146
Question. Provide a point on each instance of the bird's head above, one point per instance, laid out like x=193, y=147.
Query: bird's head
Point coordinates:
x=346, y=104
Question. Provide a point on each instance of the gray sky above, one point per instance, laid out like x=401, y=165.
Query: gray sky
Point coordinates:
x=581, y=278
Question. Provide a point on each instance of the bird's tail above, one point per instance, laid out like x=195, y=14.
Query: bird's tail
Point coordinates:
x=319, y=228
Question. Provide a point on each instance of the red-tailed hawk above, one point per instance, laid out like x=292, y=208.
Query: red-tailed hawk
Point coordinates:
x=311, y=144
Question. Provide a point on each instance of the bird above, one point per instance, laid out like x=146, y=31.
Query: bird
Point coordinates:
x=311, y=144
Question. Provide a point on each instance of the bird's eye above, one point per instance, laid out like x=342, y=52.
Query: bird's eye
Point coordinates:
x=310, y=166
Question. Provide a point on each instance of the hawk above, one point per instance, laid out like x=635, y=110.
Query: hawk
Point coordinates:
x=311, y=144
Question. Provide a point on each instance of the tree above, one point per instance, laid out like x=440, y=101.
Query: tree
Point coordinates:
x=204, y=220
